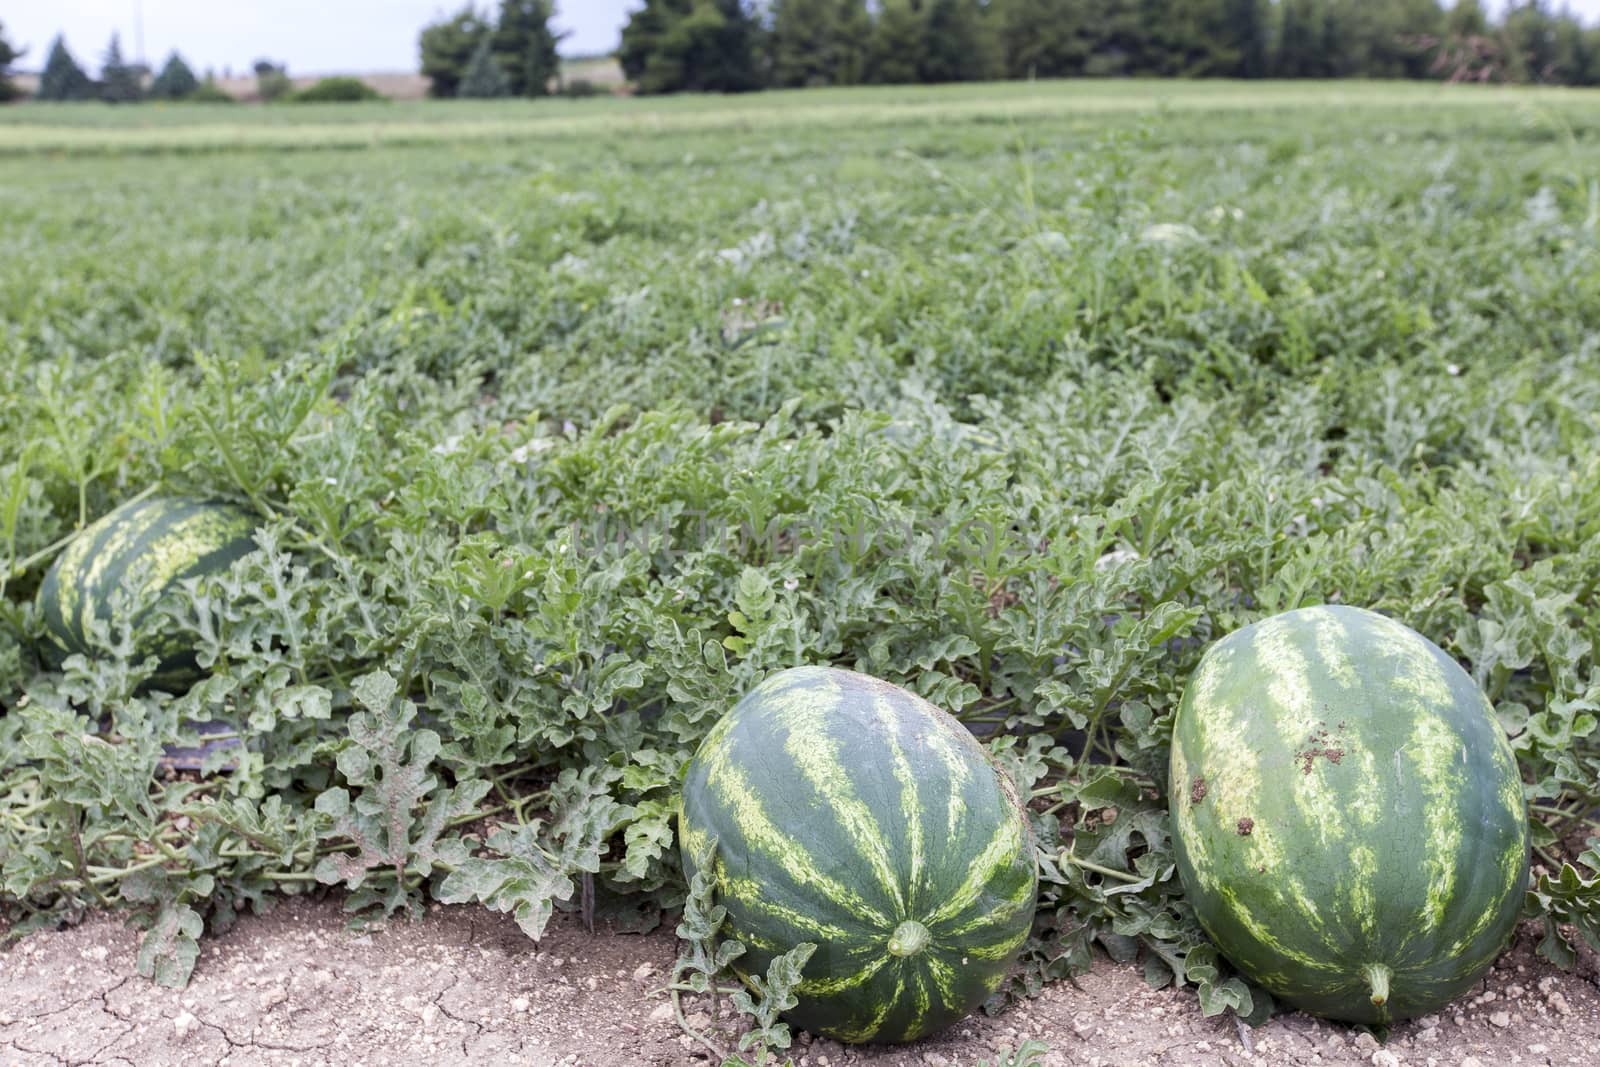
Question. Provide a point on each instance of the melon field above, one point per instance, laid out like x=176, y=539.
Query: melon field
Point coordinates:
x=560, y=427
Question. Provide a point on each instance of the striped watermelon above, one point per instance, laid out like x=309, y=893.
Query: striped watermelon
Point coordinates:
x=143, y=548
x=1349, y=821
x=852, y=814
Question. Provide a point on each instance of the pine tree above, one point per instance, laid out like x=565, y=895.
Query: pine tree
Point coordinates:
x=1297, y=40
x=175, y=82
x=119, y=82
x=484, y=77
x=8, y=56
x=671, y=46
x=1042, y=38
x=525, y=46
x=1246, y=30
x=819, y=42
x=899, y=43
x=961, y=43
x=447, y=48
x=62, y=78
x=1466, y=19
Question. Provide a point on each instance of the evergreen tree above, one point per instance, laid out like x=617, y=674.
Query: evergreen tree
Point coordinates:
x=62, y=78
x=1530, y=39
x=819, y=42
x=525, y=46
x=670, y=46
x=175, y=81
x=1042, y=38
x=8, y=56
x=447, y=48
x=899, y=43
x=1569, y=50
x=1121, y=39
x=1245, y=27
x=1299, y=38
x=484, y=77
x=961, y=43
x=1466, y=19
x=119, y=82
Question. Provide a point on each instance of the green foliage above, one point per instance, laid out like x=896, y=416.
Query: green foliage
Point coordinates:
x=62, y=78
x=336, y=90
x=120, y=81
x=671, y=46
x=707, y=957
x=819, y=42
x=1014, y=399
x=209, y=92
x=272, y=81
x=1030, y=1053
x=1568, y=899
x=525, y=45
x=484, y=78
x=8, y=55
x=449, y=47
x=581, y=88
x=175, y=82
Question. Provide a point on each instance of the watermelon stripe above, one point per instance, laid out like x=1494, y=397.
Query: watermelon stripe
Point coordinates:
x=793, y=860
x=997, y=857
x=870, y=1029
x=817, y=757
x=911, y=803
x=824, y=987
x=808, y=927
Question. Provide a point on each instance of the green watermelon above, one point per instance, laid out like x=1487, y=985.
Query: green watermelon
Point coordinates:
x=144, y=548
x=1349, y=821
x=853, y=814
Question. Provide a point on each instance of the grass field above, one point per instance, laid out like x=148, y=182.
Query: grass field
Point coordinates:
x=574, y=419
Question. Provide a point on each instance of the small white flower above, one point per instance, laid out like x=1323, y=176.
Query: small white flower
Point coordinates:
x=1454, y=369
x=330, y=481
x=791, y=584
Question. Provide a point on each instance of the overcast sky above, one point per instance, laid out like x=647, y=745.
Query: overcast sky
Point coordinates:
x=312, y=36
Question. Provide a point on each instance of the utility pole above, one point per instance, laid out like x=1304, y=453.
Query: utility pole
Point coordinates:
x=138, y=32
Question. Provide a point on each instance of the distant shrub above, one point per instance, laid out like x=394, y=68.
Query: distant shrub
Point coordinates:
x=578, y=88
x=272, y=80
x=337, y=90
x=209, y=92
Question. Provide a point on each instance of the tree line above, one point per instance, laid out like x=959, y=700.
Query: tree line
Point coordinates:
x=736, y=45
x=63, y=79
x=512, y=52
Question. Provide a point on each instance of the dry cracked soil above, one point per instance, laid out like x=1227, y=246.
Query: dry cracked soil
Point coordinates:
x=463, y=985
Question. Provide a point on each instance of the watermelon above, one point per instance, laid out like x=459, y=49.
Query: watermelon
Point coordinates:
x=1348, y=818
x=852, y=814
x=143, y=548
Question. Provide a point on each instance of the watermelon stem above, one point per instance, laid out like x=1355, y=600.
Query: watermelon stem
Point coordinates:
x=1377, y=976
x=909, y=938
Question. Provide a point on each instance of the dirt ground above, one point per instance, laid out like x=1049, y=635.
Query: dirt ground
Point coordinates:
x=465, y=986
